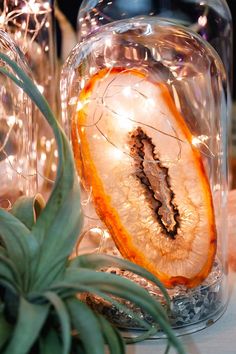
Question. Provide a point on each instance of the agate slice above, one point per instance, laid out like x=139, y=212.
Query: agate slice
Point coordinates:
x=149, y=187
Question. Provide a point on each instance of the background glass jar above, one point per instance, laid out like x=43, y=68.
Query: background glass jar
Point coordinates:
x=31, y=25
x=17, y=134
x=145, y=103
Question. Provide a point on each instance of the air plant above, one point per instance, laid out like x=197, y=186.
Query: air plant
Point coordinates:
x=41, y=310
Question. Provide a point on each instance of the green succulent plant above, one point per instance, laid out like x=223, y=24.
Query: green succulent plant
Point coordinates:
x=40, y=307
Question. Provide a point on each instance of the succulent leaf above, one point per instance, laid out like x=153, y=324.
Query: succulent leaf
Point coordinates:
x=28, y=209
x=113, y=284
x=85, y=322
x=64, y=319
x=30, y=321
x=98, y=261
x=21, y=246
x=50, y=343
x=111, y=336
x=53, y=259
x=5, y=331
x=8, y=271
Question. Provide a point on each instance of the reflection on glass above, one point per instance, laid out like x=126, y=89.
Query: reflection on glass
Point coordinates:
x=211, y=18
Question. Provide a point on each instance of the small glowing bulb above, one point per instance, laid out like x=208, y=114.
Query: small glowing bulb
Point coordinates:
x=116, y=154
x=40, y=88
x=11, y=120
x=11, y=158
x=47, y=6
x=43, y=156
x=196, y=141
x=82, y=83
x=150, y=102
x=48, y=145
x=124, y=122
x=127, y=91
x=54, y=167
x=79, y=106
x=202, y=21
x=108, y=42
x=2, y=20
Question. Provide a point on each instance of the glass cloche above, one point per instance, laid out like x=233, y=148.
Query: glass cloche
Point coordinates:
x=144, y=101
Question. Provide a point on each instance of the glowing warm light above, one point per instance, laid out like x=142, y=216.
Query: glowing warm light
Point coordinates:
x=80, y=106
x=127, y=91
x=202, y=21
x=54, y=167
x=82, y=83
x=150, y=102
x=11, y=120
x=11, y=158
x=124, y=122
x=48, y=145
x=41, y=88
x=196, y=141
x=108, y=42
x=43, y=156
x=2, y=20
x=116, y=154
x=19, y=170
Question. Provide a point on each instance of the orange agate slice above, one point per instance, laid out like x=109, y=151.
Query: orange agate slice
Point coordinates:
x=148, y=182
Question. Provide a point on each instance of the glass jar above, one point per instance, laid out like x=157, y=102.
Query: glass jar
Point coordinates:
x=211, y=19
x=145, y=103
x=17, y=138
x=31, y=25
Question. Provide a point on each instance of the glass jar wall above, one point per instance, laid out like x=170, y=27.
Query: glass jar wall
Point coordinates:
x=31, y=25
x=145, y=103
x=211, y=19
x=17, y=134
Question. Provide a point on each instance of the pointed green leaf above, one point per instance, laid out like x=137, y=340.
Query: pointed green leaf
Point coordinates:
x=67, y=290
x=31, y=319
x=21, y=246
x=98, y=261
x=27, y=209
x=64, y=229
x=8, y=271
x=64, y=320
x=125, y=289
x=112, y=283
x=5, y=331
x=50, y=343
x=85, y=322
x=3, y=250
x=112, y=336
